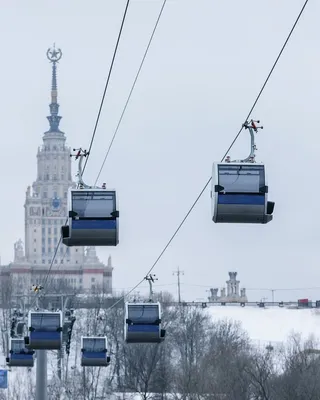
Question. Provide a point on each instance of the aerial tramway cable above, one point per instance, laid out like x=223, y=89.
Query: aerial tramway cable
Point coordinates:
x=107, y=84
x=100, y=109
x=226, y=153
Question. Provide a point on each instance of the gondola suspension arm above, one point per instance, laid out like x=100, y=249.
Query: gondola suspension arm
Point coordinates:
x=80, y=155
x=253, y=129
x=151, y=278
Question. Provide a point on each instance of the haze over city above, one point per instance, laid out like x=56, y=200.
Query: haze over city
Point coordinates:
x=201, y=75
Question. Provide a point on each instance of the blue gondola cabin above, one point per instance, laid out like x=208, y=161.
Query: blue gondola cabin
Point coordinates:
x=93, y=218
x=94, y=352
x=45, y=330
x=19, y=354
x=143, y=323
x=239, y=193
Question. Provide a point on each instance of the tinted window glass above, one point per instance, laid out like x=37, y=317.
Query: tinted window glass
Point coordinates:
x=17, y=345
x=241, y=178
x=143, y=313
x=45, y=321
x=93, y=204
x=94, y=344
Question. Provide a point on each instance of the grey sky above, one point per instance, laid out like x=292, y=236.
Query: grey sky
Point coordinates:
x=205, y=67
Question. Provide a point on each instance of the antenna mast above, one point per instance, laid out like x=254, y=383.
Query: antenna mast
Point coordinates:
x=178, y=273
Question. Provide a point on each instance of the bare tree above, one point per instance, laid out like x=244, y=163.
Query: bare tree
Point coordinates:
x=225, y=361
x=261, y=373
x=189, y=336
x=141, y=362
x=301, y=369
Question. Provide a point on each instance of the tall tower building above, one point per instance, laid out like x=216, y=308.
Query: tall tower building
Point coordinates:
x=46, y=211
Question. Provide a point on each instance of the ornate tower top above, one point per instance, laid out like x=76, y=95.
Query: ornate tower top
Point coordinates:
x=54, y=55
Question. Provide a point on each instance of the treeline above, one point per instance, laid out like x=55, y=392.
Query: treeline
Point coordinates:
x=201, y=358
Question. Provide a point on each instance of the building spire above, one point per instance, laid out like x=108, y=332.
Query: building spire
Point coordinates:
x=54, y=55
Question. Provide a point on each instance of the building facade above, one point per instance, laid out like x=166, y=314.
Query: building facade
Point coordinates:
x=233, y=295
x=46, y=211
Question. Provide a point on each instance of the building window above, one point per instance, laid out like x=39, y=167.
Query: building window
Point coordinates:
x=43, y=230
x=56, y=261
x=55, y=230
x=34, y=240
x=65, y=195
x=76, y=250
x=93, y=279
x=49, y=231
x=43, y=261
x=35, y=230
x=35, y=250
x=45, y=195
x=43, y=250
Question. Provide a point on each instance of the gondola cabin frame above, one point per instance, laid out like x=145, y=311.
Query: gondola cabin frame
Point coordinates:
x=20, y=356
x=46, y=336
x=92, y=225
x=94, y=358
x=147, y=331
x=239, y=193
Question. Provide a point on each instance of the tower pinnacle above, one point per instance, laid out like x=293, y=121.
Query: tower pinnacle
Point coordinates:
x=54, y=55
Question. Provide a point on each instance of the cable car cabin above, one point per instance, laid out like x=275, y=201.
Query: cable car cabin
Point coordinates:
x=19, y=355
x=94, y=352
x=45, y=330
x=93, y=218
x=20, y=328
x=240, y=193
x=143, y=323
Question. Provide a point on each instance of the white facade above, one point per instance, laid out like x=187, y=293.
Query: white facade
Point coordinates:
x=234, y=293
x=46, y=211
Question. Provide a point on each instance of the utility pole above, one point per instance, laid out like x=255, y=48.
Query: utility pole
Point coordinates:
x=178, y=273
x=273, y=290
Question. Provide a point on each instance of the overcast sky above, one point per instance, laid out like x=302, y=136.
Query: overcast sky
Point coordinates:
x=204, y=69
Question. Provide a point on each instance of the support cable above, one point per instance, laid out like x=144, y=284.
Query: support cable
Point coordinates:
x=226, y=153
x=107, y=83
x=131, y=91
